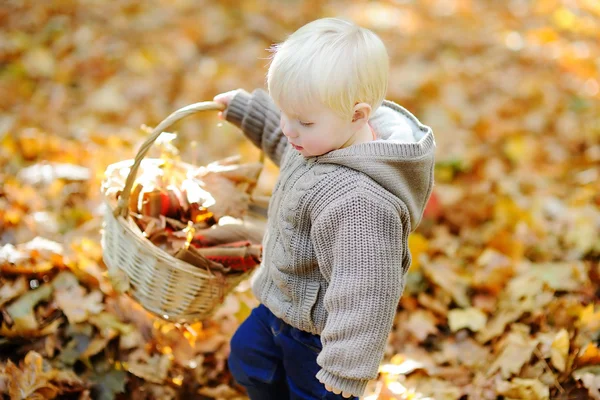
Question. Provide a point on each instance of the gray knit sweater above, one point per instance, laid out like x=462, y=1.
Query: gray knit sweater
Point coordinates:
x=335, y=250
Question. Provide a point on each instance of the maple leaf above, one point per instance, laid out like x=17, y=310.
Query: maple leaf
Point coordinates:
x=73, y=300
x=30, y=381
x=517, y=349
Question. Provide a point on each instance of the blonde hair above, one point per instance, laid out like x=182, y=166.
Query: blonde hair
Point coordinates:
x=330, y=61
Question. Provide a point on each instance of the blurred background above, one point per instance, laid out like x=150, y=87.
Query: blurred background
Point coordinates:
x=502, y=298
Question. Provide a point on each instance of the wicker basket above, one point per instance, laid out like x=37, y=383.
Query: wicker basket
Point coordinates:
x=164, y=285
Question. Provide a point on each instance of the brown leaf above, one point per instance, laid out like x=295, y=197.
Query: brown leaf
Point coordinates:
x=517, y=349
x=78, y=306
x=422, y=323
x=151, y=368
x=524, y=389
x=30, y=381
x=442, y=274
x=10, y=290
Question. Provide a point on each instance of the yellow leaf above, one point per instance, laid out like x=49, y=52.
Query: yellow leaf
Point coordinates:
x=418, y=245
x=516, y=149
x=531, y=389
x=589, y=318
x=471, y=318
x=560, y=350
x=508, y=213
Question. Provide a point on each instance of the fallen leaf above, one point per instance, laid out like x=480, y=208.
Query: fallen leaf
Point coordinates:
x=494, y=271
x=418, y=245
x=421, y=323
x=151, y=368
x=560, y=350
x=497, y=324
x=589, y=318
x=443, y=275
x=531, y=389
x=21, y=310
x=109, y=383
x=590, y=377
x=30, y=381
x=589, y=355
x=76, y=304
x=517, y=349
x=11, y=290
x=471, y=318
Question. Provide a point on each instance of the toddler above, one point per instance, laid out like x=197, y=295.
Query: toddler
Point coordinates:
x=355, y=174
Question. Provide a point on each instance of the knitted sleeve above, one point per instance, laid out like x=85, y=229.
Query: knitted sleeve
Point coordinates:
x=258, y=117
x=360, y=242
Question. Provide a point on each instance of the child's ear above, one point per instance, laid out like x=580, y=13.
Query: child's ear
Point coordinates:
x=362, y=111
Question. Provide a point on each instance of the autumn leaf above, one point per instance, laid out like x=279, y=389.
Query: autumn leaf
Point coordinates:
x=509, y=233
x=590, y=377
x=418, y=245
x=517, y=349
x=524, y=389
x=21, y=310
x=13, y=289
x=471, y=318
x=109, y=383
x=443, y=276
x=151, y=368
x=30, y=381
x=560, y=350
x=422, y=323
x=589, y=355
x=73, y=300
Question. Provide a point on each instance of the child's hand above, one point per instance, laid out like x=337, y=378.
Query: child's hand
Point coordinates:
x=337, y=391
x=225, y=98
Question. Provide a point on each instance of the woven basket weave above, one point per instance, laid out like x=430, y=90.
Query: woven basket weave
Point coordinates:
x=164, y=285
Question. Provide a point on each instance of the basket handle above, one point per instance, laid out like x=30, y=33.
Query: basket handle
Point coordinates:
x=122, y=208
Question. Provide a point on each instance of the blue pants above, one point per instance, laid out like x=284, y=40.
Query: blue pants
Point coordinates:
x=275, y=361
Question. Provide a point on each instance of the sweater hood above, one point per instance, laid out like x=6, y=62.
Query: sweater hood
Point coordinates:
x=400, y=159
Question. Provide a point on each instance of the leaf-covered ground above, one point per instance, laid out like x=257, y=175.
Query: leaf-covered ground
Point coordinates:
x=503, y=294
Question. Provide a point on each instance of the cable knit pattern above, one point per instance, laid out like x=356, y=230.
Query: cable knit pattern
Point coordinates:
x=335, y=251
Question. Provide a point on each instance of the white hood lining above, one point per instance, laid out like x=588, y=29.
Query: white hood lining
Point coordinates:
x=390, y=125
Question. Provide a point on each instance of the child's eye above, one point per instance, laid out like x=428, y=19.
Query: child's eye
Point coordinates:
x=305, y=123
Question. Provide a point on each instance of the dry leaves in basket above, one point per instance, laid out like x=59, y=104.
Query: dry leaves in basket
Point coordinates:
x=196, y=214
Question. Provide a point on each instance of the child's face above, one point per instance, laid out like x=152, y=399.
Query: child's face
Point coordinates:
x=318, y=130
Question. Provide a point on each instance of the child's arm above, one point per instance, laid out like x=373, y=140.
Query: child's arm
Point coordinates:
x=361, y=246
x=258, y=117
